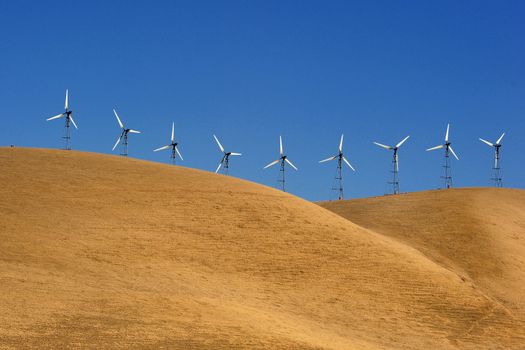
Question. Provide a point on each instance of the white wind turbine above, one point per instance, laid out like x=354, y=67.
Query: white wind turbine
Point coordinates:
x=69, y=120
x=497, y=169
x=448, y=149
x=225, y=157
x=123, y=136
x=340, y=159
x=173, y=145
x=395, y=162
x=282, y=160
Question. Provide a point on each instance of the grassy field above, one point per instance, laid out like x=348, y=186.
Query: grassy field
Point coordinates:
x=100, y=251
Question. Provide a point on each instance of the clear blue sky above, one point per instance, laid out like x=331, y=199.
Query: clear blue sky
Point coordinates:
x=252, y=70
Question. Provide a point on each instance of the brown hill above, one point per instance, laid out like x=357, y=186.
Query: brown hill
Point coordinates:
x=106, y=252
x=479, y=233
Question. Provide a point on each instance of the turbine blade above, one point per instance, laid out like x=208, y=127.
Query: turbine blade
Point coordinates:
x=72, y=121
x=485, y=141
x=134, y=131
x=220, y=146
x=402, y=142
x=495, y=163
x=287, y=161
x=433, y=148
x=446, y=135
x=272, y=163
x=118, y=119
x=161, y=148
x=235, y=154
x=341, y=144
x=66, y=104
x=281, y=145
x=172, y=132
x=217, y=170
x=177, y=150
x=381, y=145
x=55, y=117
x=500, y=138
x=116, y=143
x=397, y=162
x=348, y=163
x=327, y=159
x=454, y=153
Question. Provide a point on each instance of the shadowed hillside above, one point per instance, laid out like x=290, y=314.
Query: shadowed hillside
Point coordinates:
x=99, y=251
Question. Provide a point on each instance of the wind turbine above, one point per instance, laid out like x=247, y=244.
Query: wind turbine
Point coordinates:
x=69, y=120
x=497, y=174
x=395, y=163
x=172, y=145
x=340, y=159
x=448, y=149
x=123, y=136
x=225, y=157
x=282, y=160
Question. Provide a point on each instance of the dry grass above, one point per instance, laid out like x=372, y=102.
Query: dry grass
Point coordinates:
x=479, y=233
x=105, y=252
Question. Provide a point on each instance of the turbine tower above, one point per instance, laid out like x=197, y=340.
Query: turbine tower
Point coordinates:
x=497, y=169
x=395, y=163
x=339, y=175
x=282, y=160
x=172, y=145
x=68, y=121
x=448, y=149
x=225, y=158
x=123, y=136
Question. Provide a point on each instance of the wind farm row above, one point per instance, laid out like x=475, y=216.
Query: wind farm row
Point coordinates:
x=284, y=160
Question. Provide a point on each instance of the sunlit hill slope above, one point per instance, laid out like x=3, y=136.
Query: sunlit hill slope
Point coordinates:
x=100, y=251
x=479, y=233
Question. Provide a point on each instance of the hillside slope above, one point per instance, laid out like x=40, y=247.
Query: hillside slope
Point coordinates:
x=477, y=232
x=105, y=252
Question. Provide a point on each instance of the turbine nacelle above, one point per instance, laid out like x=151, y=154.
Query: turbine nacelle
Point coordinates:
x=68, y=113
x=173, y=145
x=340, y=156
x=496, y=145
x=395, y=149
x=447, y=145
x=395, y=161
x=124, y=134
x=283, y=159
x=225, y=160
x=340, y=160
